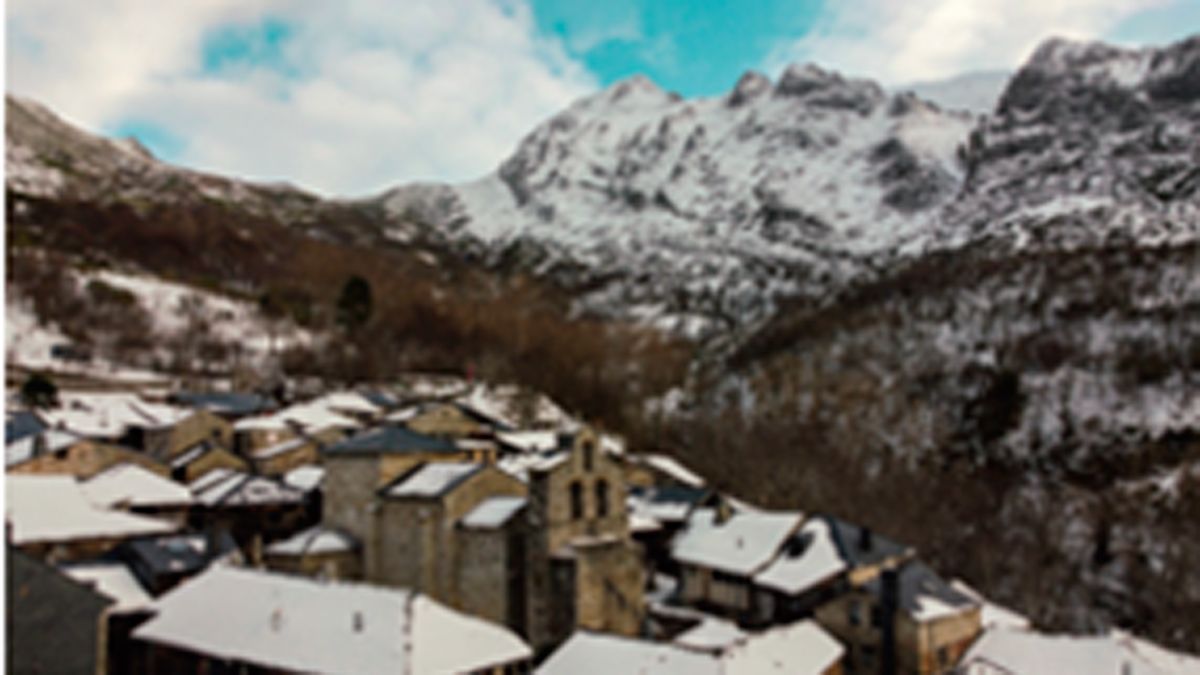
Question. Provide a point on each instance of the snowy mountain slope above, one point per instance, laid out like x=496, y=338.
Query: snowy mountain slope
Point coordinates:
x=1047, y=337
x=704, y=212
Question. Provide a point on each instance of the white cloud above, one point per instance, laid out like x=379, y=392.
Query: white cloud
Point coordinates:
x=385, y=92
x=913, y=40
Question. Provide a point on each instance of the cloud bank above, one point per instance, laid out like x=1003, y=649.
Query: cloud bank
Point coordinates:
x=343, y=98
x=919, y=40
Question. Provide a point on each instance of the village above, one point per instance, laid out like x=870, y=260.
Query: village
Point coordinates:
x=444, y=525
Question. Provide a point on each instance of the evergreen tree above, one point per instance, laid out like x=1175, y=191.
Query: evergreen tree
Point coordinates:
x=354, y=305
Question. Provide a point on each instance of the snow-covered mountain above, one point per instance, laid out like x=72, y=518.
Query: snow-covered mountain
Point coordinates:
x=701, y=214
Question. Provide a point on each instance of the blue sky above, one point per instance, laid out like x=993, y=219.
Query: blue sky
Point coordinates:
x=355, y=96
x=694, y=48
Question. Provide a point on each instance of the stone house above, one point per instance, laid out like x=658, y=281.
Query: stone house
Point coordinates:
x=356, y=467
x=824, y=559
x=720, y=552
x=198, y=460
x=319, y=552
x=168, y=440
x=903, y=620
x=254, y=509
x=418, y=540
x=278, y=459
x=57, y=452
x=453, y=420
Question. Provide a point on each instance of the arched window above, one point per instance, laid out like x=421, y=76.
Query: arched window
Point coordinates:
x=601, y=498
x=576, y=500
x=589, y=458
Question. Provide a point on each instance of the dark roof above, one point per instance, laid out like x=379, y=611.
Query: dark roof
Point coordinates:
x=21, y=424
x=380, y=398
x=859, y=548
x=51, y=619
x=917, y=579
x=391, y=438
x=675, y=494
x=176, y=554
x=231, y=403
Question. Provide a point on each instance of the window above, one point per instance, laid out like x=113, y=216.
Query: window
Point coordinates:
x=589, y=455
x=943, y=655
x=601, y=498
x=576, y=500
x=854, y=613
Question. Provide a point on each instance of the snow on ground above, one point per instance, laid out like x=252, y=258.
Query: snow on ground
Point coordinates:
x=231, y=320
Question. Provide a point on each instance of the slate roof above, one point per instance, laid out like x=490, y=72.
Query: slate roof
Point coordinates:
x=19, y=424
x=923, y=594
x=390, y=439
x=225, y=402
x=51, y=619
x=180, y=554
x=848, y=538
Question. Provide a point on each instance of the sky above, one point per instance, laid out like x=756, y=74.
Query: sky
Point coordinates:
x=349, y=98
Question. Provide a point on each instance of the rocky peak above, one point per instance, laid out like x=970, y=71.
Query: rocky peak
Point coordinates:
x=822, y=88
x=750, y=85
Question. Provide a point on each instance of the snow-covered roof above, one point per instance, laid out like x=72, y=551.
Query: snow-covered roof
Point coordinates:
x=25, y=449
x=507, y=404
x=664, y=505
x=110, y=414
x=741, y=545
x=812, y=560
x=432, y=479
x=349, y=402
x=281, y=447
x=127, y=484
x=225, y=487
x=114, y=581
x=1001, y=651
x=317, y=539
x=53, y=509
x=305, y=478
x=529, y=441
x=674, y=469
x=712, y=634
x=296, y=624
x=991, y=614
x=493, y=512
x=311, y=416
x=802, y=647
x=602, y=654
x=519, y=466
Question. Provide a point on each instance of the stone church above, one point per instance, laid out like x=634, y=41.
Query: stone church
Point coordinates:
x=546, y=555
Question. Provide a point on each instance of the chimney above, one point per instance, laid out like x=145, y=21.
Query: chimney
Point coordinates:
x=865, y=538
x=889, y=602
